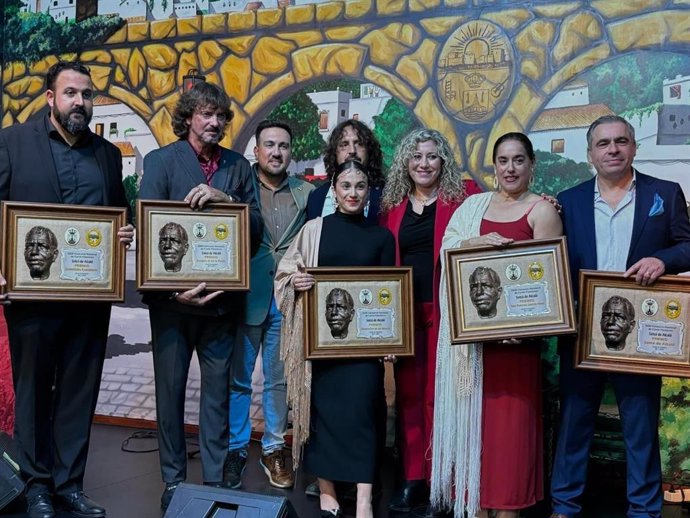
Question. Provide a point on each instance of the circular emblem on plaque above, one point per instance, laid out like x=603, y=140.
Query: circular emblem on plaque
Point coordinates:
x=385, y=296
x=199, y=230
x=535, y=270
x=366, y=297
x=94, y=237
x=513, y=272
x=650, y=307
x=475, y=72
x=672, y=309
x=221, y=231
x=72, y=236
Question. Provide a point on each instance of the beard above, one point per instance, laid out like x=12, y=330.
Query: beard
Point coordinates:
x=74, y=127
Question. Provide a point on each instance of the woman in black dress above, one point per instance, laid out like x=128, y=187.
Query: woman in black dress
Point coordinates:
x=343, y=412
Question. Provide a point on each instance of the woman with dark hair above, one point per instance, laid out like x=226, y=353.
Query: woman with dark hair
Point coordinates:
x=422, y=191
x=349, y=140
x=486, y=390
x=338, y=405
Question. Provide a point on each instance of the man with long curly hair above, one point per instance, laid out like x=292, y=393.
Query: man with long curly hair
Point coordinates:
x=351, y=139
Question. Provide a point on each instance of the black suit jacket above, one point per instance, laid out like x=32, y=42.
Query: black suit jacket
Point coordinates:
x=27, y=169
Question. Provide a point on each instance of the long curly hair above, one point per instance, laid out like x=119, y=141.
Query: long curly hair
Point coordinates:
x=399, y=184
x=366, y=137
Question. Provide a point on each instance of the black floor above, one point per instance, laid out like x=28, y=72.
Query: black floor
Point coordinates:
x=128, y=484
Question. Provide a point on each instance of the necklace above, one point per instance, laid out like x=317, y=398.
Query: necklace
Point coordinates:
x=426, y=200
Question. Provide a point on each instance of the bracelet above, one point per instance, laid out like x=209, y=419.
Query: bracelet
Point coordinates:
x=174, y=295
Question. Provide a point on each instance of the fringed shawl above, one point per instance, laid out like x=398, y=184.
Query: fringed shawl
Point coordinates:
x=457, y=434
x=303, y=253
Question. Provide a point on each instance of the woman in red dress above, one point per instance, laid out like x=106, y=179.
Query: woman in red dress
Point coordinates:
x=497, y=461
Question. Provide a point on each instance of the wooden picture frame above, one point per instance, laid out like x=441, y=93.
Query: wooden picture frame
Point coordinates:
x=62, y=252
x=380, y=320
x=214, y=248
x=526, y=291
x=626, y=327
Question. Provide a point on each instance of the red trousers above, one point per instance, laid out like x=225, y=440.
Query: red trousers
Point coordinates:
x=414, y=394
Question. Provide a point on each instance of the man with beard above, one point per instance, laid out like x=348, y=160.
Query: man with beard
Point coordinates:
x=283, y=201
x=340, y=310
x=58, y=348
x=198, y=170
x=349, y=140
x=173, y=244
x=40, y=252
x=617, y=322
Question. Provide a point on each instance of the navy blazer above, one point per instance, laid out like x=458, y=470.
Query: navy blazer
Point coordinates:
x=27, y=169
x=665, y=236
x=170, y=173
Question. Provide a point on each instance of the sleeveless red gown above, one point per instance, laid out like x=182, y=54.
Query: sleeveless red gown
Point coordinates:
x=512, y=449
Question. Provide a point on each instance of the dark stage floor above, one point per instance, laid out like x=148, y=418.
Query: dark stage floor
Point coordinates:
x=129, y=484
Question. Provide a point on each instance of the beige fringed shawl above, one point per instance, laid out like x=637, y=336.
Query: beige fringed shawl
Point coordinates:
x=303, y=253
x=457, y=433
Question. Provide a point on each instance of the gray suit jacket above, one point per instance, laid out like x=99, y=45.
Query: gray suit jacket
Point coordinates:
x=264, y=263
x=170, y=173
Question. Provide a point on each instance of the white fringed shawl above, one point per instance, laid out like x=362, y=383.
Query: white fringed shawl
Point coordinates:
x=302, y=253
x=457, y=433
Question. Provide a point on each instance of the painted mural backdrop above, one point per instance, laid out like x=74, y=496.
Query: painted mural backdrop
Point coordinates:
x=472, y=69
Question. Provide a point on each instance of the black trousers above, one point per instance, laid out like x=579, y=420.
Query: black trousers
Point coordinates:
x=60, y=345
x=175, y=336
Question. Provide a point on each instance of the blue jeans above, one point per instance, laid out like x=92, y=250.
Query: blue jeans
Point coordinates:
x=252, y=338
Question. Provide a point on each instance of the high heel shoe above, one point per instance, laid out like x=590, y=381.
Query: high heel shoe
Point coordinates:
x=331, y=513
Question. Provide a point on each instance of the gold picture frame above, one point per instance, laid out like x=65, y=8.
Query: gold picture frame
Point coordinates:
x=209, y=245
x=62, y=252
x=524, y=291
x=626, y=327
x=377, y=318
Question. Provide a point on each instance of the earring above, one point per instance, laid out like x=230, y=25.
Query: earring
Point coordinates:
x=496, y=186
x=531, y=181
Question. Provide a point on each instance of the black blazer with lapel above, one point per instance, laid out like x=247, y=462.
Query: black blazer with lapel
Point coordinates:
x=27, y=169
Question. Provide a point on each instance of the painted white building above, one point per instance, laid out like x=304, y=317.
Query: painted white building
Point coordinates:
x=189, y=8
x=130, y=10
x=30, y=6
x=118, y=123
x=334, y=108
x=62, y=10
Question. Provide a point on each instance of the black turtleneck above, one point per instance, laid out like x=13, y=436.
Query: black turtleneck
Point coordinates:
x=346, y=240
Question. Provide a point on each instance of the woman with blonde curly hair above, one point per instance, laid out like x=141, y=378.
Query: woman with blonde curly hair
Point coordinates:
x=423, y=189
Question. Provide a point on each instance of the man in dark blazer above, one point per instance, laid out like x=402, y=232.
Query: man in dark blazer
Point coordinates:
x=56, y=159
x=621, y=220
x=198, y=170
x=283, y=200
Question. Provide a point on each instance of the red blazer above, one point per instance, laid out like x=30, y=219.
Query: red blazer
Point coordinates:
x=444, y=211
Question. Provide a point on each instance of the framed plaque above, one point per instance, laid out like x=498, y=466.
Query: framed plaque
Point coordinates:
x=625, y=327
x=179, y=247
x=63, y=252
x=520, y=290
x=359, y=312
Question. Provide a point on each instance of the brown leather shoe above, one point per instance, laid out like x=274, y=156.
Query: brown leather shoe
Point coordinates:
x=278, y=473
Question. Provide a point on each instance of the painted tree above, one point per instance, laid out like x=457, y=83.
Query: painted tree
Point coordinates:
x=554, y=173
x=390, y=126
x=302, y=115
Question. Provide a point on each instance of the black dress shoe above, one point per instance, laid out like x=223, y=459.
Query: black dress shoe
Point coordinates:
x=40, y=506
x=413, y=493
x=331, y=513
x=168, y=493
x=81, y=505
